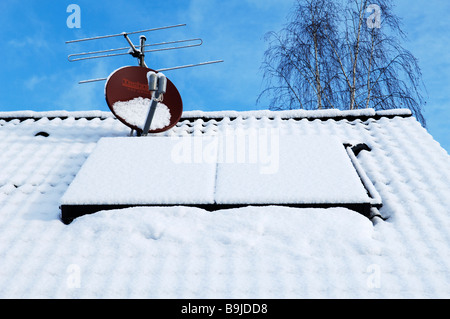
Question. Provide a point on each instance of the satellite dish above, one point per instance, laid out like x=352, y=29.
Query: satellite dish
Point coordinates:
x=129, y=98
x=141, y=98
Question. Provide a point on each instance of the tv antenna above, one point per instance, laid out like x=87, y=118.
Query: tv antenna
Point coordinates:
x=141, y=84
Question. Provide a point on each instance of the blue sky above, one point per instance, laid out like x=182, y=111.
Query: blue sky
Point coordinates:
x=35, y=73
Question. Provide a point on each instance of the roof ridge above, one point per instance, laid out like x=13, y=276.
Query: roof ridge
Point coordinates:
x=208, y=115
x=299, y=114
x=54, y=114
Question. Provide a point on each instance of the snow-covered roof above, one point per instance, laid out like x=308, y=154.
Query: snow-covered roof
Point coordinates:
x=248, y=252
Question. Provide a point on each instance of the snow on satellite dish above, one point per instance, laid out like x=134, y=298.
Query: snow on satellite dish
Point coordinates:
x=141, y=98
x=136, y=110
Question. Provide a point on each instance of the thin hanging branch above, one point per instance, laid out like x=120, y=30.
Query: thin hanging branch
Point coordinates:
x=330, y=56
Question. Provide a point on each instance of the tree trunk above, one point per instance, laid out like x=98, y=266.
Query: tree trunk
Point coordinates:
x=318, y=85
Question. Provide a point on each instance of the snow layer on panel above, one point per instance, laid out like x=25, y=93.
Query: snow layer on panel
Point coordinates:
x=140, y=171
x=266, y=168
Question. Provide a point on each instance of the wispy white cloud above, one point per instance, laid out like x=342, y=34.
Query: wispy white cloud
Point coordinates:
x=32, y=82
x=69, y=95
x=29, y=42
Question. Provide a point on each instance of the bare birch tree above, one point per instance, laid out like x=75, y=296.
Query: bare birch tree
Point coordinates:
x=343, y=54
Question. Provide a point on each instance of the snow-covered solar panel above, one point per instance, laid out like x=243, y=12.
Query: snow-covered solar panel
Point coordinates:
x=290, y=170
x=226, y=170
x=140, y=171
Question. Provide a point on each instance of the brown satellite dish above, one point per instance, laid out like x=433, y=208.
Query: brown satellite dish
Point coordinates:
x=129, y=83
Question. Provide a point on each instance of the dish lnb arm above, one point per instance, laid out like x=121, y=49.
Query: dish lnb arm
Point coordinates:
x=157, y=83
